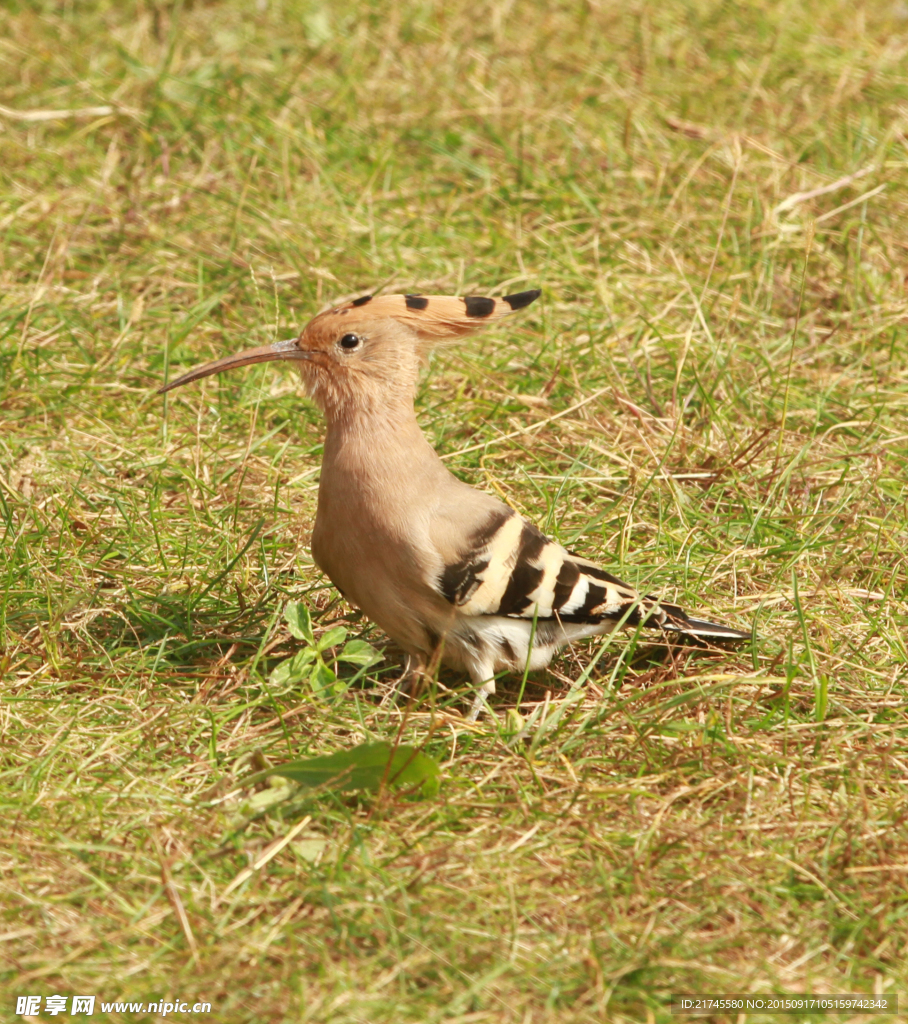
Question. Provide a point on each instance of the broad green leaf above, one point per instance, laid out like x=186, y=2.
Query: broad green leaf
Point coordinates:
x=358, y=652
x=299, y=621
x=367, y=766
x=324, y=682
x=332, y=637
x=292, y=670
x=269, y=797
x=310, y=849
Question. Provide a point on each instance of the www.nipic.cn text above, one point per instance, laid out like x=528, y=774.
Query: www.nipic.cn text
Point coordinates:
x=31, y=1006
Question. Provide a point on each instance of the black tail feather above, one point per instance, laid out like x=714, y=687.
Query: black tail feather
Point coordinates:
x=678, y=621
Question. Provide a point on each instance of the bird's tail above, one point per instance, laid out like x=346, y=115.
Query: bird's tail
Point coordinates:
x=678, y=621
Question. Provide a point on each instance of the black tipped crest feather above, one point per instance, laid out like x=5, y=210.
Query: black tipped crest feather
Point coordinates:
x=477, y=306
x=522, y=299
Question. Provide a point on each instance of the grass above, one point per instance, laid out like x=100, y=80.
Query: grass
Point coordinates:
x=711, y=397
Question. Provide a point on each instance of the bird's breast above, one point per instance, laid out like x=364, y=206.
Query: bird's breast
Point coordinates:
x=373, y=547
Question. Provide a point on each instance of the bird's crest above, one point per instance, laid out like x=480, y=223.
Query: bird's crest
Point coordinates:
x=433, y=316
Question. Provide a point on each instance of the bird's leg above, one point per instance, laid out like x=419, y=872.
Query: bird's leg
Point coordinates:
x=411, y=680
x=486, y=686
x=408, y=683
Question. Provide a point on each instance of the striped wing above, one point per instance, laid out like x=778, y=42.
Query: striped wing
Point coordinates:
x=510, y=568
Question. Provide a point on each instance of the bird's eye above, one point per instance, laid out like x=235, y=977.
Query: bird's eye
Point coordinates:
x=350, y=342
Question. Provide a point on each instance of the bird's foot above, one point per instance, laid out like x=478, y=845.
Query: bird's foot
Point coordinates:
x=408, y=685
x=481, y=701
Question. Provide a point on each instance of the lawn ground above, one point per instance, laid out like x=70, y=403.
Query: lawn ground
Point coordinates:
x=711, y=397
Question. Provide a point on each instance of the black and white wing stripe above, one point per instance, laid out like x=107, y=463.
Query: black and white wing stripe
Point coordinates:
x=510, y=568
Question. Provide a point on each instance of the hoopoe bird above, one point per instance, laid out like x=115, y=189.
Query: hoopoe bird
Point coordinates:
x=437, y=564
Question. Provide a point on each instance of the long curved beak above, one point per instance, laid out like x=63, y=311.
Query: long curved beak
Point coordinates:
x=265, y=354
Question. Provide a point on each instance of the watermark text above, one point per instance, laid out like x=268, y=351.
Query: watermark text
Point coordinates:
x=788, y=1003
x=74, y=1006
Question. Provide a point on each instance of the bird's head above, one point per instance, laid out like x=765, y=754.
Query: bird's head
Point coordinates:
x=369, y=351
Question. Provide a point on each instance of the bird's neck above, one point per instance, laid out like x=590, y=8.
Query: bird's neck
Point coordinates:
x=384, y=441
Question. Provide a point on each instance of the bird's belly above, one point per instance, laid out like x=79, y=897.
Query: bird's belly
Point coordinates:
x=486, y=644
